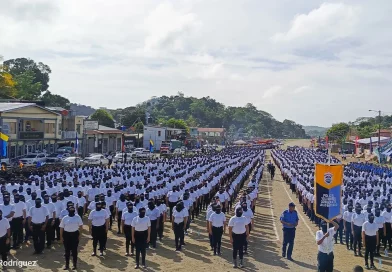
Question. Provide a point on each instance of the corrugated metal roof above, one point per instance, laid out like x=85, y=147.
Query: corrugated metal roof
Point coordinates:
x=211, y=129
x=13, y=106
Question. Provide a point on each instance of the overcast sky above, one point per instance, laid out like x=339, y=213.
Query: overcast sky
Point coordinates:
x=310, y=61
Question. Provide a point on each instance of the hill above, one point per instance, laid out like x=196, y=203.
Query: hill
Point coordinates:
x=315, y=131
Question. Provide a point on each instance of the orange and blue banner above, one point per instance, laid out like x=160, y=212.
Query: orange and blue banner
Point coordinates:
x=3, y=144
x=151, y=146
x=328, y=179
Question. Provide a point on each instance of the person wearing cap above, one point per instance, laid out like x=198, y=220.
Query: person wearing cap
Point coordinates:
x=70, y=233
x=126, y=224
x=370, y=240
x=98, y=227
x=38, y=220
x=141, y=228
x=325, y=243
x=289, y=219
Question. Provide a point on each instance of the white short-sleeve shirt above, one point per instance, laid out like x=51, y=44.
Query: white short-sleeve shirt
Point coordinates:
x=71, y=223
x=7, y=209
x=370, y=229
x=4, y=226
x=379, y=221
x=98, y=218
x=327, y=245
x=238, y=224
x=38, y=215
x=217, y=220
x=127, y=217
x=19, y=207
x=141, y=224
x=179, y=216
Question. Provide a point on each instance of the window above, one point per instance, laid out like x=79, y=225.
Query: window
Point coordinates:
x=159, y=133
x=49, y=128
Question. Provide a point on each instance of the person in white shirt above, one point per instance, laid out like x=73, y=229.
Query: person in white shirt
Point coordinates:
x=38, y=220
x=162, y=217
x=70, y=234
x=217, y=226
x=153, y=213
x=347, y=218
x=358, y=219
x=50, y=226
x=370, y=240
x=179, y=220
x=98, y=227
x=249, y=215
x=210, y=211
x=172, y=199
x=5, y=237
x=380, y=221
x=126, y=224
x=238, y=233
x=325, y=243
x=121, y=204
x=59, y=207
x=18, y=221
x=141, y=228
x=387, y=214
x=82, y=203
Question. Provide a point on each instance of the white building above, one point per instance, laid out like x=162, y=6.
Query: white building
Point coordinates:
x=158, y=135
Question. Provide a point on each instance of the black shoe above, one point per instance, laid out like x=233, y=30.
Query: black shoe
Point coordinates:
x=355, y=254
x=101, y=254
x=360, y=254
x=66, y=267
x=367, y=267
x=214, y=253
x=144, y=265
x=48, y=246
x=74, y=267
x=137, y=266
x=245, y=252
x=290, y=259
x=284, y=255
x=341, y=242
x=372, y=266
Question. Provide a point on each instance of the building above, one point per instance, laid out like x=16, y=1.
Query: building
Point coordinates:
x=212, y=135
x=103, y=140
x=159, y=134
x=71, y=124
x=31, y=128
x=383, y=133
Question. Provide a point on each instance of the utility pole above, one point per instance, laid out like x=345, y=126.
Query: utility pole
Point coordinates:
x=379, y=127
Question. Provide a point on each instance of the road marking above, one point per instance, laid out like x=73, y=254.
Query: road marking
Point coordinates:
x=272, y=214
x=303, y=220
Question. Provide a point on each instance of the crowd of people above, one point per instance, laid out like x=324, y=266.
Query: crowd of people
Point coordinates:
x=53, y=204
x=365, y=218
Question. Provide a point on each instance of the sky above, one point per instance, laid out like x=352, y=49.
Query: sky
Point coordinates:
x=310, y=61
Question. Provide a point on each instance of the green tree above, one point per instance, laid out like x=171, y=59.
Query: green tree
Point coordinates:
x=338, y=132
x=7, y=82
x=26, y=87
x=103, y=117
x=40, y=70
x=55, y=100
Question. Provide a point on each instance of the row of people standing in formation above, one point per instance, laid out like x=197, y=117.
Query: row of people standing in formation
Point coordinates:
x=366, y=214
x=50, y=206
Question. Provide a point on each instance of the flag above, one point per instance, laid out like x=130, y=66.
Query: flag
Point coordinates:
x=77, y=144
x=328, y=190
x=151, y=146
x=371, y=145
x=3, y=144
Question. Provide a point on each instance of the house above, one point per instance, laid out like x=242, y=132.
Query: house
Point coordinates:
x=31, y=128
x=159, y=134
x=383, y=133
x=102, y=140
x=212, y=135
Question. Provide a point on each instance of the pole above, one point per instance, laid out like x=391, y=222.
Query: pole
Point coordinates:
x=379, y=129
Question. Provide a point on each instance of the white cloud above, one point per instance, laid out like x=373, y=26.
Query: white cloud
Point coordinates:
x=272, y=91
x=301, y=89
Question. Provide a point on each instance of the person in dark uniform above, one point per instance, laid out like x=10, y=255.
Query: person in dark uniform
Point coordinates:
x=38, y=221
x=70, y=232
x=5, y=236
x=98, y=227
x=126, y=223
x=141, y=228
x=289, y=219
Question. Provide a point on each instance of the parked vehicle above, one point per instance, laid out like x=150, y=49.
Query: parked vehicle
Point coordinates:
x=95, y=159
x=119, y=156
x=70, y=161
x=145, y=154
x=56, y=157
x=33, y=159
x=65, y=149
x=178, y=151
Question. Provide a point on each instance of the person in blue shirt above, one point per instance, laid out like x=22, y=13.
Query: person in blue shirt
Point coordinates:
x=289, y=220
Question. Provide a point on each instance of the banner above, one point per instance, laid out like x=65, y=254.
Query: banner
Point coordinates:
x=328, y=181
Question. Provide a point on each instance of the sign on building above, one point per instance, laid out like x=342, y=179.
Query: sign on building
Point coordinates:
x=90, y=125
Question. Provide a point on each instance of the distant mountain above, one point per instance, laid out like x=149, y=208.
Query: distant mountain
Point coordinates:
x=82, y=109
x=315, y=131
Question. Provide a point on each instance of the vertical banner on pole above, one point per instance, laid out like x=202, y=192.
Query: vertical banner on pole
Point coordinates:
x=328, y=181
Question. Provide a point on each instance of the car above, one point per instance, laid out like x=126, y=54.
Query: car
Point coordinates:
x=33, y=158
x=70, y=161
x=144, y=154
x=56, y=157
x=95, y=159
x=65, y=149
x=178, y=151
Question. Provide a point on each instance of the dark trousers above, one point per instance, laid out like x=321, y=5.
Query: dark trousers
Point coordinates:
x=217, y=233
x=57, y=228
x=288, y=238
x=246, y=241
x=370, y=247
x=325, y=262
x=99, y=235
x=179, y=234
x=3, y=248
x=238, y=245
x=140, y=244
x=339, y=232
x=211, y=241
x=153, y=233
x=17, y=230
x=171, y=206
x=357, y=238
x=49, y=231
x=119, y=215
x=382, y=240
x=349, y=236
x=81, y=211
x=128, y=238
x=38, y=237
x=160, y=228
x=111, y=216
x=206, y=200
x=388, y=238
x=71, y=243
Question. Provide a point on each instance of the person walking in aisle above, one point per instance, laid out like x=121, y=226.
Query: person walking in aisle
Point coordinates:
x=289, y=219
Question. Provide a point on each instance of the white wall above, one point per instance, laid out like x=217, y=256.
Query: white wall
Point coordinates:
x=152, y=133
